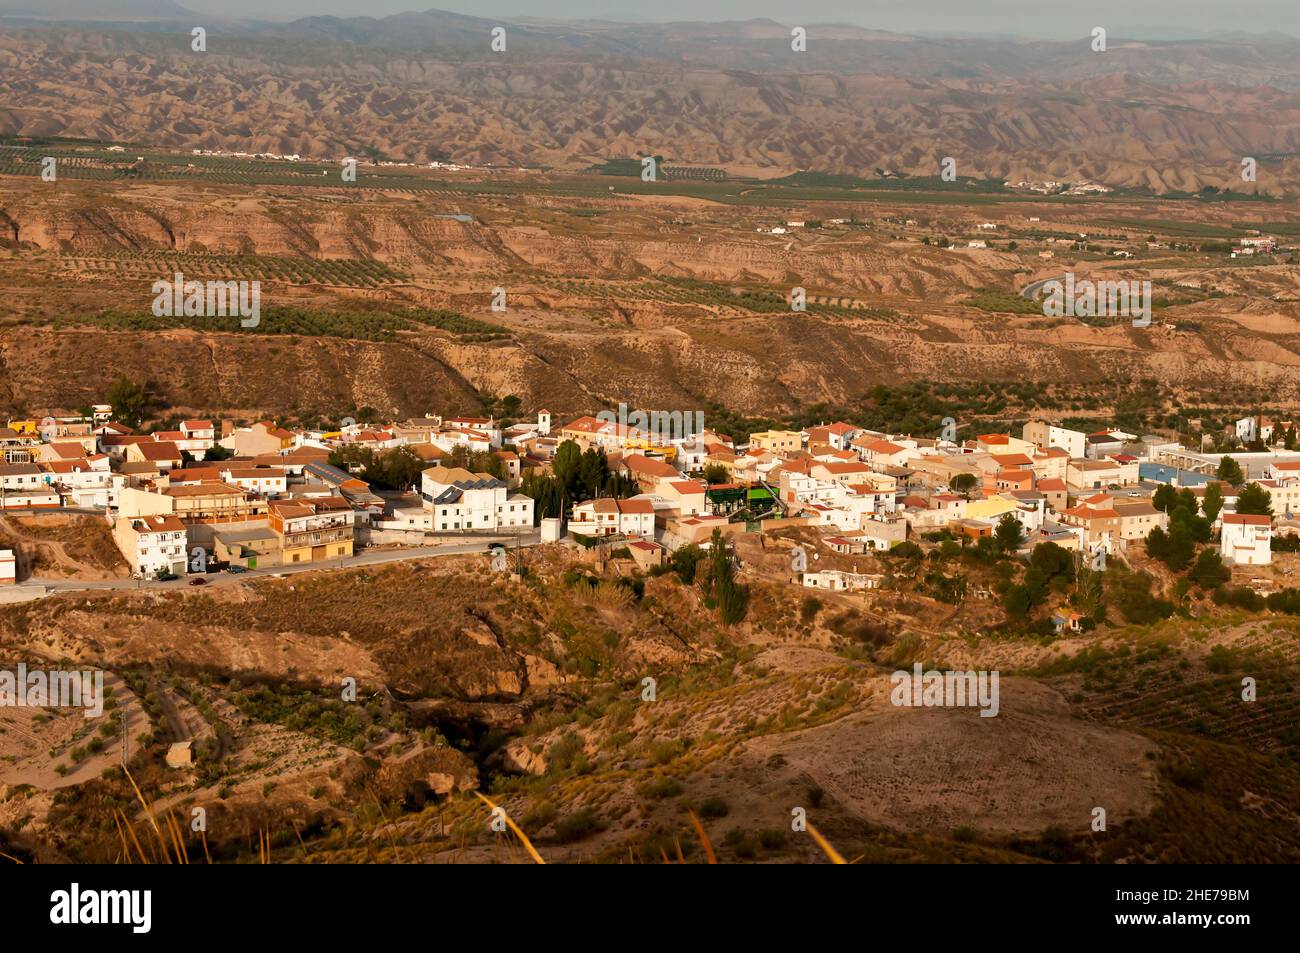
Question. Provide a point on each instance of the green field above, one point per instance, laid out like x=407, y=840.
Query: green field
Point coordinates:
x=354, y=324
x=81, y=160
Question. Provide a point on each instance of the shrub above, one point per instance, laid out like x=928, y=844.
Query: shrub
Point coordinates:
x=907, y=550
x=1240, y=598
x=581, y=823
x=740, y=842
x=662, y=787
x=713, y=808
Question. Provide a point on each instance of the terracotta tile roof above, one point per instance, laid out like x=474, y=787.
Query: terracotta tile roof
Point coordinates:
x=1089, y=513
x=1012, y=460
x=195, y=475
x=855, y=467
x=644, y=465
x=1247, y=519
x=68, y=466
x=584, y=425
x=159, y=450
x=204, y=489
x=158, y=524
x=1134, y=508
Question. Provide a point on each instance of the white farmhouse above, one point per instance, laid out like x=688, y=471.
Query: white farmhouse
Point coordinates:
x=1246, y=539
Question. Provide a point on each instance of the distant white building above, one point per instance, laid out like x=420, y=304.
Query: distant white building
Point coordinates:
x=608, y=517
x=839, y=581
x=152, y=543
x=1043, y=435
x=1246, y=540
x=483, y=425
x=198, y=437
x=461, y=501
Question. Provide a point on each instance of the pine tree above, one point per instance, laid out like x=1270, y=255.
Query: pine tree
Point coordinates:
x=1254, y=500
x=1213, y=502
x=731, y=598
x=1230, y=471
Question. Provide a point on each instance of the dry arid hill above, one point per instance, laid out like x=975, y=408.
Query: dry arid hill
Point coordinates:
x=421, y=86
x=661, y=299
x=531, y=690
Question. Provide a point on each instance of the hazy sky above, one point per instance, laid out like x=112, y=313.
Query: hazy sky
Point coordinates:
x=1172, y=19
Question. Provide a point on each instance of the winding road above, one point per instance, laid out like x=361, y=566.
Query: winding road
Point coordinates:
x=1030, y=291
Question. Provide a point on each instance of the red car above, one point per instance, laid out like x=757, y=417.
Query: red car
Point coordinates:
x=198, y=582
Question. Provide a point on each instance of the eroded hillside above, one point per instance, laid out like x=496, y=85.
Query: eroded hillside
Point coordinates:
x=661, y=299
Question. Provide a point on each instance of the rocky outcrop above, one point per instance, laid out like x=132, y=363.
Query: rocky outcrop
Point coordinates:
x=439, y=771
x=518, y=757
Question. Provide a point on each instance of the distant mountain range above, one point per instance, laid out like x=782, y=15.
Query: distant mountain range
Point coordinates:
x=99, y=10
x=1164, y=116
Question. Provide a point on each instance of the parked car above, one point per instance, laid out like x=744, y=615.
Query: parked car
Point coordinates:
x=236, y=569
x=198, y=582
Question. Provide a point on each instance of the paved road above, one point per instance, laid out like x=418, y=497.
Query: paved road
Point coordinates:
x=52, y=510
x=1031, y=290
x=367, y=558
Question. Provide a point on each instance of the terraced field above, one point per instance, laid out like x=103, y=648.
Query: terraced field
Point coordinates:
x=690, y=291
x=333, y=272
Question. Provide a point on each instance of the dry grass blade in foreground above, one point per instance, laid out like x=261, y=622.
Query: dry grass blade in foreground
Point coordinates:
x=824, y=844
x=523, y=838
